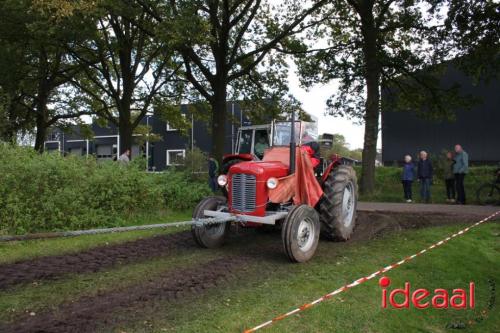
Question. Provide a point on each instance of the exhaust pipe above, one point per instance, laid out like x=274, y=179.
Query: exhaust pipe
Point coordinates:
x=292, y=144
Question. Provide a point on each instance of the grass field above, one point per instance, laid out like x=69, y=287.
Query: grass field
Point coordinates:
x=264, y=284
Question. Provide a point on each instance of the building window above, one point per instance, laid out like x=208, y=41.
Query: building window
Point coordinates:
x=105, y=152
x=75, y=151
x=175, y=157
x=169, y=128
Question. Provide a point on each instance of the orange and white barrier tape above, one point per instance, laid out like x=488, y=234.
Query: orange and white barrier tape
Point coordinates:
x=366, y=278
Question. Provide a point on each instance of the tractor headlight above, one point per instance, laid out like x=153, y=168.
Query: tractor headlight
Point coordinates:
x=272, y=183
x=222, y=180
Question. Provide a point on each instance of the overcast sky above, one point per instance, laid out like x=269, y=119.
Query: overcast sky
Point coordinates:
x=314, y=102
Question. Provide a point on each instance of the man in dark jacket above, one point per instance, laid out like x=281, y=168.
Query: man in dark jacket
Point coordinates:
x=425, y=172
x=213, y=171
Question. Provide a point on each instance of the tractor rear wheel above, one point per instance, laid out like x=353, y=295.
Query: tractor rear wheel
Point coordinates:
x=210, y=235
x=300, y=233
x=337, y=208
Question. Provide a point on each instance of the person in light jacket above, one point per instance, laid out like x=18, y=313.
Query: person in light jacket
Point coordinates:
x=460, y=169
x=125, y=157
x=425, y=172
x=407, y=177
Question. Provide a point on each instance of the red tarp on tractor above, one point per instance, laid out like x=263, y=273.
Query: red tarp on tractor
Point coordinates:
x=302, y=186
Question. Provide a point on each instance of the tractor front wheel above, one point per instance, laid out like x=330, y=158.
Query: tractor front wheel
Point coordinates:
x=300, y=233
x=210, y=235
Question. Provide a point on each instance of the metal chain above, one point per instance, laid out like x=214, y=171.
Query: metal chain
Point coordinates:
x=196, y=222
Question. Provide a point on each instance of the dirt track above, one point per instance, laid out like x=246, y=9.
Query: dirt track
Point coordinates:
x=93, y=260
x=86, y=313
x=369, y=225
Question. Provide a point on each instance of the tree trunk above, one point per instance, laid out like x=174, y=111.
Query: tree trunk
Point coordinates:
x=125, y=129
x=219, y=116
x=125, y=52
x=41, y=121
x=372, y=78
x=41, y=133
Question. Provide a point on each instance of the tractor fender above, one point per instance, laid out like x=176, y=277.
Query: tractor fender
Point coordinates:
x=244, y=157
x=231, y=159
x=335, y=161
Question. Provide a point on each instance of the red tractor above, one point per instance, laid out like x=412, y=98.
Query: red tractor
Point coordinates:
x=291, y=187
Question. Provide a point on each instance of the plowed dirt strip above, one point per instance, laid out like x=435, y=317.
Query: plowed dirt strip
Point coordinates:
x=93, y=260
x=369, y=225
x=88, y=313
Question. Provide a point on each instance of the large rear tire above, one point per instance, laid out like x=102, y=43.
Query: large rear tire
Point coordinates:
x=337, y=208
x=210, y=235
x=300, y=233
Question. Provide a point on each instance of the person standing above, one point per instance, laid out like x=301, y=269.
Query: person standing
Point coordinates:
x=125, y=157
x=449, y=177
x=407, y=178
x=213, y=171
x=460, y=169
x=425, y=172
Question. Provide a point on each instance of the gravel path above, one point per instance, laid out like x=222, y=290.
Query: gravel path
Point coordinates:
x=452, y=210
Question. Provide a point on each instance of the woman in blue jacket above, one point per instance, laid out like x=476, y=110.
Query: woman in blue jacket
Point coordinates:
x=407, y=178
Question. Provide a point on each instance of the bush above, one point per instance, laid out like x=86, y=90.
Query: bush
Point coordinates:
x=183, y=190
x=196, y=164
x=49, y=192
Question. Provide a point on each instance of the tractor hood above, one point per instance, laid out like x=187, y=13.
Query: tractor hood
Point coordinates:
x=261, y=169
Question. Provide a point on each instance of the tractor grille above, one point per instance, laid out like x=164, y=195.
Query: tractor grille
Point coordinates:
x=243, y=192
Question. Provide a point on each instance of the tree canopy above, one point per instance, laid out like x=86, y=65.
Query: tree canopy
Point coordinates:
x=120, y=59
x=126, y=71
x=395, y=47
x=36, y=69
x=230, y=49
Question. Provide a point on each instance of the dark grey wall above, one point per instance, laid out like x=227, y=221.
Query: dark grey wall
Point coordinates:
x=477, y=130
x=200, y=136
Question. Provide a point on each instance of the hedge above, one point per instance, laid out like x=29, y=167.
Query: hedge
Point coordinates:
x=48, y=192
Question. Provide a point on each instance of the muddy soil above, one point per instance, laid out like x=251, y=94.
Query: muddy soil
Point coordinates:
x=369, y=225
x=93, y=260
x=88, y=313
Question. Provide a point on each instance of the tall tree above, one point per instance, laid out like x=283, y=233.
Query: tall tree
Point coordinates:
x=373, y=43
x=15, y=115
x=42, y=68
x=126, y=69
x=226, y=46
